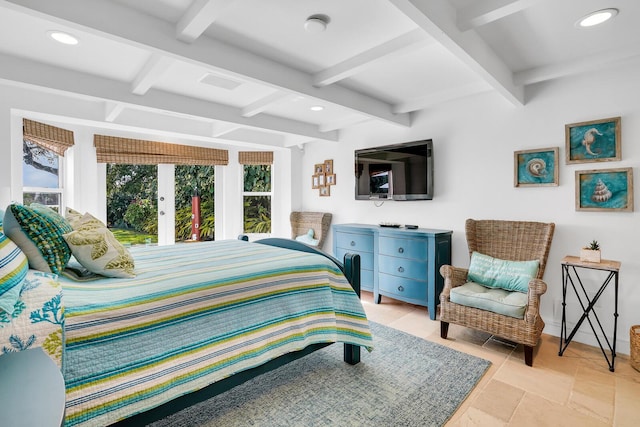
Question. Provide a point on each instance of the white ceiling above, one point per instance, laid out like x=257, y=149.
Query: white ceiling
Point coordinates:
x=228, y=71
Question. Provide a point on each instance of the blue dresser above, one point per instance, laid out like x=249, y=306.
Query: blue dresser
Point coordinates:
x=396, y=262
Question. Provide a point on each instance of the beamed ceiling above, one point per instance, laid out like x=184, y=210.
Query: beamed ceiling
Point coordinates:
x=247, y=72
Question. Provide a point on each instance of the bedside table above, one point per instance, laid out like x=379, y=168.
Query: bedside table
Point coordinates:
x=33, y=391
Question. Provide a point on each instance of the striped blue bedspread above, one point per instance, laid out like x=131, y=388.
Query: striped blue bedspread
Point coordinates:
x=195, y=314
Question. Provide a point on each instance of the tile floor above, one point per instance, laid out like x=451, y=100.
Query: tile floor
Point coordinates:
x=576, y=389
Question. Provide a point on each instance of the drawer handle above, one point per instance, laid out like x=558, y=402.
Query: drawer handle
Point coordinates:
x=401, y=269
x=353, y=243
x=401, y=288
x=401, y=250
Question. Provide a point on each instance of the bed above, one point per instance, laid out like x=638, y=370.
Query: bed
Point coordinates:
x=197, y=319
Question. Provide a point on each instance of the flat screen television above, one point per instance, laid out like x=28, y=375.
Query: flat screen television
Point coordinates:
x=395, y=172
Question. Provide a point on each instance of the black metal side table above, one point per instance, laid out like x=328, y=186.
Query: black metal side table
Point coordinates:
x=569, y=272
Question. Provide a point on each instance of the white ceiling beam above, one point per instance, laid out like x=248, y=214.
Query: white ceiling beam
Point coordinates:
x=120, y=23
x=150, y=73
x=220, y=129
x=577, y=66
x=440, y=97
x=112, y=110
x=263, y=103
x=438, y=18
x=52, y=78
x=341, y=124
x=356, y=64
x=198, y=17
x=482, y=13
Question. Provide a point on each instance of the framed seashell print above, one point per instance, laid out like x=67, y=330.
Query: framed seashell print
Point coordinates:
x=593, y=141
x=604, y=190
x=535, y=168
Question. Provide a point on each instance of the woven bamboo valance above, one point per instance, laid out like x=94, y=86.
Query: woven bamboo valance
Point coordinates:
x=111, y=149
x=50, y=137
x=255, y=157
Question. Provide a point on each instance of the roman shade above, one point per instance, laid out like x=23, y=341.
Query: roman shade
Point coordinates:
x=111, y=149
x=50, y=137
x=255, y=157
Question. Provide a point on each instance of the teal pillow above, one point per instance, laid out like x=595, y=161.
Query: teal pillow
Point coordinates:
x=39, y=236
x=308, y=238
x=496, y=300
x=13, y=270
x=503, y=274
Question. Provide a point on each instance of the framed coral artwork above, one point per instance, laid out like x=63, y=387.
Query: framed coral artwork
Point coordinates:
x=593, y=141
x=535, y=168
x=604, y=190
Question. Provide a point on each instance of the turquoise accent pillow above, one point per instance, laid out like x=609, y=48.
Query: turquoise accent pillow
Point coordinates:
x=13, y=270
x=308, y=238
x=503, y=274
x=39, y=236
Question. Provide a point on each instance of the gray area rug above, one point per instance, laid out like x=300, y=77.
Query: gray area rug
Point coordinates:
x=404, y=381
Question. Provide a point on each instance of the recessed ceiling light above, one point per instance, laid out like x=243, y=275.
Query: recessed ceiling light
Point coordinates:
x=64, y=38
x=596, y=18
x=317, y=108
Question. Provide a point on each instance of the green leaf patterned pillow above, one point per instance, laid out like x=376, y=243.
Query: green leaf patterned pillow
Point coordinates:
x=39, y=235
x=96, y=248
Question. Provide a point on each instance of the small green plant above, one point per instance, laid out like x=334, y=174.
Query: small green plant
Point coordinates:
x=593, y=246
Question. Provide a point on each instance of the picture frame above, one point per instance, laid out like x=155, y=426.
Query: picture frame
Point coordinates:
x=318, y=168
x=321, y=180
x=593, y=141
x=604, y=190
x=315, y=182
x=331, y=179
x=328, y=167
x=536, y=168
x=325, y=191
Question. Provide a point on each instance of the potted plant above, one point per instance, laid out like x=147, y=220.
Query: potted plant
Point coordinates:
x=591, y=252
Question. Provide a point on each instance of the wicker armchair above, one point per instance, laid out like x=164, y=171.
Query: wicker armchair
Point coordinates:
x=508, y=240
x=301, y=222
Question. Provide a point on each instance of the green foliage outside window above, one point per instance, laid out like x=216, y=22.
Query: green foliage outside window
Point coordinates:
x=257, y=209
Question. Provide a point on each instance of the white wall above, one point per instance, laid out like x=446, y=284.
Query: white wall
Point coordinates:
x=474, y=144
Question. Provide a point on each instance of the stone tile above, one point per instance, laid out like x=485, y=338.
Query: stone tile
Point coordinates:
x=626, y=412
x=499, y=400
x=593, y=394
x=536, y=411
x=552, y=385
x=475, y=417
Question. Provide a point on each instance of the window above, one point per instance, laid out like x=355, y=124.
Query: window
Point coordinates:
x=41, y=176
x=257, y=198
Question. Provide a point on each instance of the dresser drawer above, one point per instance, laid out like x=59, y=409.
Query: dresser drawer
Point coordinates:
x=406, y=248
x=403, y=288
x=403, y=267
x=355, y=242
x=366, y=258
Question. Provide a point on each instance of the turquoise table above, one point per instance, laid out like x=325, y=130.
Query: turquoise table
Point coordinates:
x=32, y=392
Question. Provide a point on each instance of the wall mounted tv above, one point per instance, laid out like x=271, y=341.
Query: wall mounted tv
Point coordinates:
x=397, y=172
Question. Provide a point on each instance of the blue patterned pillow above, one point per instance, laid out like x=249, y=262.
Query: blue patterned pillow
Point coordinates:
x=13, y=270
x=39, y=236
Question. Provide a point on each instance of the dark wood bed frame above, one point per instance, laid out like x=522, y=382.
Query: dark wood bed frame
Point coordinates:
x=350, y=268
